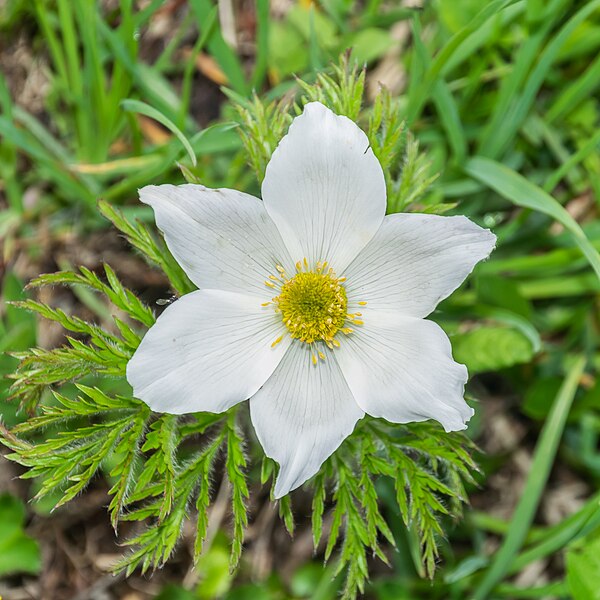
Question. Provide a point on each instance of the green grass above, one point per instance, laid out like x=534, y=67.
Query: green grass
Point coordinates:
x=502, y=99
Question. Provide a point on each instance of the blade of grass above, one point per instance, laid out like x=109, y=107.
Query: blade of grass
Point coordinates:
x=262, y=43
x=149, y=111
x=574, y=527
x=55, y=168
x=549, y=590
x=8, y=154
x=70, y=46
x=422, y=92
x=141, y=16
x=223, y=54
x=521, y=192
x=217, y=138
x=500, y=138
x=102, y=118
x=186, y=86
x=314, y=52
x=573, y=94
x=444, y=101
x=511, y=85
x=573, y=160
x=543, y=460
x=155, y=87
x=56, y=51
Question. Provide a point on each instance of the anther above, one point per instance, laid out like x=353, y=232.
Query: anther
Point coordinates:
x=362, y=303
x=276, y=341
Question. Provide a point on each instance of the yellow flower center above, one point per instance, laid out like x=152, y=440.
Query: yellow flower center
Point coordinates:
x=313, y=305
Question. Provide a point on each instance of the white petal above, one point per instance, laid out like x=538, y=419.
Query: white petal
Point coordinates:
x=324, y=188
x=302, y=414
x=222, y=238
x=206, y=352
x=415, y=261
x=401, y=368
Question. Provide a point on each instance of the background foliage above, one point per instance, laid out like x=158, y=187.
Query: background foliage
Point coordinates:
x=491, y=110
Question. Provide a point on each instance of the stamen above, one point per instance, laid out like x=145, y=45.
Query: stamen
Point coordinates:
x=312, y=305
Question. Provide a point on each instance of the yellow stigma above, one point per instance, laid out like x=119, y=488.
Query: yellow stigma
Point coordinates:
x=313, y=304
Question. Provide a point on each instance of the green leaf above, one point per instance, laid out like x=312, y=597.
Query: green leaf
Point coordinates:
x=149, y=111
x=521, y=192
x=236, y=464
x=583, y=569
x=491, y=349
x=18, y=552
x=153, y=250
x=543, y=460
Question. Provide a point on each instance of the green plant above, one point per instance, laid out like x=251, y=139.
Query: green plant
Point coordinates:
x=18, y=552
x=164, y=466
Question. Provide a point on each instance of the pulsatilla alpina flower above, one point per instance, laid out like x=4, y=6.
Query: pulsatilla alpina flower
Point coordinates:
x=311, y=301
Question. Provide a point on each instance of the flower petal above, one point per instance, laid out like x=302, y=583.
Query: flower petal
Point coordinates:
x=324, y=188
x=415, y=261
x=401, y=368
x=302, y=414
x=206, y=352
x=222, y=238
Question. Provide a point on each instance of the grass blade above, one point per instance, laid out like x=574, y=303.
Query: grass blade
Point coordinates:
x=223, y=54
x=149, y=111
x=579, y=156
x=503, y=135
x=422, y=92
x=521, y=192
x=540, y=469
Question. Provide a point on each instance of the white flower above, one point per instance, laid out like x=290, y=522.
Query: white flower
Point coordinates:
x=311, y=302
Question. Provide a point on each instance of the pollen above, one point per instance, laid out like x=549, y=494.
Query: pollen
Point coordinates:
x=313, y=304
